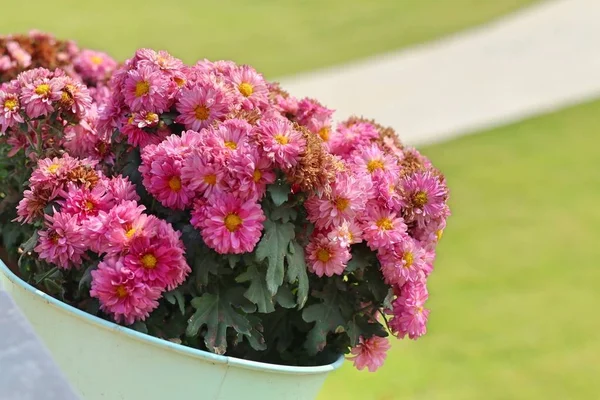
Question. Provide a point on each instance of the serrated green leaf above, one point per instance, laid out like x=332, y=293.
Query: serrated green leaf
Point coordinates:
x=258, y=292
x=363, y=326
x=175, y=296
x=296, y=271
x=327, y=318
x=362, y=257
x=217, y=313
x=86, y=278
x=140, y=327
x=285, y=297
x=256, y=338
x=274, y=246
x=28, y=246
x=283, y=213
x=279, y=192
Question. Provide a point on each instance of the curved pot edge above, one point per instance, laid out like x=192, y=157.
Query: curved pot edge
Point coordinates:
x=188, y=351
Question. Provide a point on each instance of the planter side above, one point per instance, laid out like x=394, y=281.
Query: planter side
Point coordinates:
x=103, y=360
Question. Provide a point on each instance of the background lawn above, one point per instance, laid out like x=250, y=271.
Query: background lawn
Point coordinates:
x=515, y=294
x=276, y=36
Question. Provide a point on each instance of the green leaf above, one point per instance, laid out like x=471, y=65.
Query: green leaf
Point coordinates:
x=327, y=318
x=285, y=297
x=217, y=313
x=274, y=246
x=362, y=257
x=258, y=293
x=284, y=213
x=175, y=296
x=256, y=338
x=86, y=278
x=140, y=327
x=296, y=271
x=28, y=246
x=361, y=326
x=279, y=192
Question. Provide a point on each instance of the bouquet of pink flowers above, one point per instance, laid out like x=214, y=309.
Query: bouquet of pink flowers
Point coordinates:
x=227, y=215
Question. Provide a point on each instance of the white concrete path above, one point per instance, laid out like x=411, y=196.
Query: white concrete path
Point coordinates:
x=540, y=59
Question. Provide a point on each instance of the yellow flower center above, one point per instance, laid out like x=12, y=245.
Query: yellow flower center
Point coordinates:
x=175, y=184
x=141, y=88
x=89, y=206
x=323, y=255
x=374, y=165
x=151, y=117
x=42, y=90
x=210, y=179
x=53, y=236
x=11, y=104
x=201, y=113
x=232, y=222
x=121, y=292
x=419, y=310
x=53, y=168
x=324, y=133
x=256, y=175
x=97, y=60
x=231, y=145
x=66, y=97
x=246, y=89
x=439, y=234
x=385, y=224
x=129, y=232
x=281, y=139
x=179, y=81
x=149, y=261
x=408, y=259
x=341, y=203
x=420, y=199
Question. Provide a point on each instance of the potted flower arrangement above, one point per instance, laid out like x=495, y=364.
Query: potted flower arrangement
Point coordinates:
x=20, y=149
x=235, y=231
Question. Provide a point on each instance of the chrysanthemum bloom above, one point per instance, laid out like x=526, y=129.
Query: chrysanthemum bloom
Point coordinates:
x=425, y=195
x=52, y=171
x=198, y=212
x=251, y=172
x=134, y=128
x=10, y=108
x=120, y=294
x=84, y=202
x=231, y=225
x=311, y=112
x=280, y=141
x=94, y=66
x=158, y=59
x=410, y=316
x=202, y=104
x=251, y=87
x=120, y=188
x=382, y=227
x=371, y=160
x=388, y=192
x=202, y=174
x=402, y=261
x=146, y=89
x=326, y=257
x=347, y=234
x=162, y=179
x=112, y=231
x=347, y=200
x=155, y=261
x=39, y=96
x=31, y=206
x=62, y=243
x=370, y=353
x=74, y=97
x=18, y=54
x=350, y=136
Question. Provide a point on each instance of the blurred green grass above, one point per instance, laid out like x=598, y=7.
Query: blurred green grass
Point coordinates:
x=515, y=294
x=276, y=36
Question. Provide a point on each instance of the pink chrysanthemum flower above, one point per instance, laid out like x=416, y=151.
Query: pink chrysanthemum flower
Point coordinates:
x=347, y=200
x=312, y=113
x=410, y=316
x=158, y=59
x=203, y=175
x=198, y=212
x=231, y=225
x=18, y=54
x=382, y=227
x=228, y=138
x=402, y=261
x=120, y=294
x=372, y=161
x=251, y=172
x=348, y=137
x=10, y=108
x=62, y=243
x=31, y=207
x=94, y=66
x=134, y=128
x=74, y=96
x=84, y=203
x=347, y=234
x=281, y=142
x=40, y=95
x=162, y=179
x=388, y=192
x=146, y=89
x=425, y=195
x=370, y=353
x=202, y=104
x=52, y=171
x=250, y=86
x=326, y=257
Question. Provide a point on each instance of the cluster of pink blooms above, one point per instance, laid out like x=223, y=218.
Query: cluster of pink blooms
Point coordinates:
x=142, y=256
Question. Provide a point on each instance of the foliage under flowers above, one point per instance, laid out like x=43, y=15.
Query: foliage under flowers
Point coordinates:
x=232, y=217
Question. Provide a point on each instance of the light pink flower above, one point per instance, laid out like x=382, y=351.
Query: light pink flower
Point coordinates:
x=348, y=137
x=74, y=96
x=10, y=108
x=123, y=296
x=162, y=178
x=371, y=160
x=204, y=175
x=147, y=89
x=410, y=316
x=40, y=95
x=94, y=66
x=84, y=203
x=280, y=141
x=403, y=261
x=202, y=104
x=347, y=234
x=62, y=243
x=121, y=189
x=250, y=86
x=17, y=53
x=425, y=195
x=251, y=172
x=112, y=231
x=382, y=227
x=231, y=225
x=370, y=353
x=326, y=257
